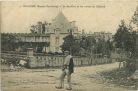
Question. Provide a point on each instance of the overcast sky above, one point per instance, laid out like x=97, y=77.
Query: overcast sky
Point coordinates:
x=19, y=16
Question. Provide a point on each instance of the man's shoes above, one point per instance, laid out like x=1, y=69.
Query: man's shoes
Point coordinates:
x=58, y=87
x=69, y=88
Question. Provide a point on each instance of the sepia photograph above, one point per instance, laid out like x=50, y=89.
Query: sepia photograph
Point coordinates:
x=75, y=45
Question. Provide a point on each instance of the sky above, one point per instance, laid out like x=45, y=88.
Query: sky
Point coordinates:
x=91, y=15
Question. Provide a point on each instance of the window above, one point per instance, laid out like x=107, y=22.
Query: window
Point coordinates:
x=57, y=40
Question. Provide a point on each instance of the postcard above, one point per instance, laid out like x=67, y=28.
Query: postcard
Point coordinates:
x=60, y=45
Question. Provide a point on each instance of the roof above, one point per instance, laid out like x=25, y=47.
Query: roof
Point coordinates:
x=60, y=22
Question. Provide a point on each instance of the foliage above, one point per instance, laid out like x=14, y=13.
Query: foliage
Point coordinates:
x=8, y=42
x=70, y=45
x=90, y=44
x=100, y=46
x=84, y=43
x=119, y=77
x=126, y=38
x=107, y=48
x=131, y=65
x=134, y=19
x=134, y=28
x=123, y=37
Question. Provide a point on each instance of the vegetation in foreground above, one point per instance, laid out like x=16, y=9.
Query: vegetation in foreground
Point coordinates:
x=119, y=77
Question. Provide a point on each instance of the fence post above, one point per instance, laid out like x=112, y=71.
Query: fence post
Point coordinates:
x=30, y=52
x=32, y=61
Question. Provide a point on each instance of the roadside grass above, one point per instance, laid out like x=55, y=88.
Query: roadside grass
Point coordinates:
x=119, y=77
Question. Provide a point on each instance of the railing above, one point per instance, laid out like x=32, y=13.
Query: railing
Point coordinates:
x=57, y=60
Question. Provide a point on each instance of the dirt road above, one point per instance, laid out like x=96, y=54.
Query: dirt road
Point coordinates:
x=84, y=79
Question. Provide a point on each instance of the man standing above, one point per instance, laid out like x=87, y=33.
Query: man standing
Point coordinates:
x=67, y=69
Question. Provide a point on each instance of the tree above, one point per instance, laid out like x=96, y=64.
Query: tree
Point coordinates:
x=8, y=42
x=83, y=43
x=134, y=20
x=126, y=38
x=122, y=37
x=70, y=44
x=134, y=28
x=90, y=44
x=108, y=47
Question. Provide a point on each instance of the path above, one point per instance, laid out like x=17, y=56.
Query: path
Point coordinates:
x=84, y=79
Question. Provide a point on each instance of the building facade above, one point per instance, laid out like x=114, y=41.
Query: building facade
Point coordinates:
x=50, y=34
x=55, y=31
